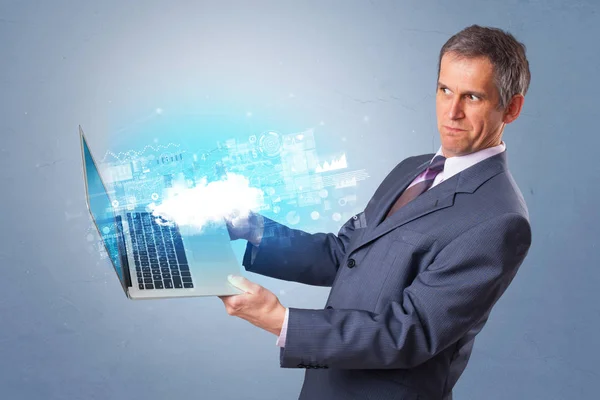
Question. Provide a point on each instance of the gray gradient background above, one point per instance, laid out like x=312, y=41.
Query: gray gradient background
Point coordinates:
x=68, y=332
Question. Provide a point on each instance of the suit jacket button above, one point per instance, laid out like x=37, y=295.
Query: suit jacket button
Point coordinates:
x=351, y=263
x=329, y=307
x=301, y=366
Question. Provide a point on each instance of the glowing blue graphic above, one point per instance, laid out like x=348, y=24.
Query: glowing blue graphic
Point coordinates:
x=270, y=144
x=277, y=173
x=340, y=163
x=285, y=166
x=101, y=210
x=292, y=218
x=135, y=154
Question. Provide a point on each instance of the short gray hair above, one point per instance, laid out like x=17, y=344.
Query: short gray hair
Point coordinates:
x=507, y=55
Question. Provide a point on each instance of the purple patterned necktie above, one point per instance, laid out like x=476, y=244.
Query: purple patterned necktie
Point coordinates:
x=435, y=167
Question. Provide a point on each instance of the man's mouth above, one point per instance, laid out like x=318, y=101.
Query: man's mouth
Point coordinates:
x=450, y=129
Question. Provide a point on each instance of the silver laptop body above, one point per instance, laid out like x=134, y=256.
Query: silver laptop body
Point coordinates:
x=154, y=261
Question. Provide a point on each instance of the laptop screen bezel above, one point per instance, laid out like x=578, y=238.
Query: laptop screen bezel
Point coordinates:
x=126, y=282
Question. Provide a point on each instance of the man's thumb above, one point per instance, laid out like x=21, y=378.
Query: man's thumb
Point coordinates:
x=242, y=283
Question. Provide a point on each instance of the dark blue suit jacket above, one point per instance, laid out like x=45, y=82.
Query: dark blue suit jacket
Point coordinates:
x=408, y=293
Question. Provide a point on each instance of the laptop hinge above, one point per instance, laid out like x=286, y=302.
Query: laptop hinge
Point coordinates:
x=123, y=253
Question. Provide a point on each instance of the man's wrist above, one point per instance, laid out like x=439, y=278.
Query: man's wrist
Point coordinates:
x=279, y=315
x=283, y=333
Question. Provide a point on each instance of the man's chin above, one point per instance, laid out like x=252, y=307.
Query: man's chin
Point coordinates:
x=453, y=150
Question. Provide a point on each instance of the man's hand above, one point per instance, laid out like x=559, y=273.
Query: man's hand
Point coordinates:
x=258, y=305
x=245, y=226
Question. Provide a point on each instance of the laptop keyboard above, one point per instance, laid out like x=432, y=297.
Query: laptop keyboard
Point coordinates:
x=160, y=261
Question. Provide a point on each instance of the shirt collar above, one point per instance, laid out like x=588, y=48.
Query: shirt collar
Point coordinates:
x=454, y=165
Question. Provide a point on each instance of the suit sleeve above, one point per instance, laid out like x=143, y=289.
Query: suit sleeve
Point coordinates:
x=452, y=296
x=294, y=255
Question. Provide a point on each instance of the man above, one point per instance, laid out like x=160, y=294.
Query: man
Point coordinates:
x=414, y=277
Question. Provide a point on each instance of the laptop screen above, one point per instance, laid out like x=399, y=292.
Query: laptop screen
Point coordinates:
x=100, y=207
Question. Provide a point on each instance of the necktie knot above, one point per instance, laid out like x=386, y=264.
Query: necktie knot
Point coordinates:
x=437, y=164
x=435, y=167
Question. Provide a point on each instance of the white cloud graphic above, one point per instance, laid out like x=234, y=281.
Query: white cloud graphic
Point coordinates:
x=209, y=203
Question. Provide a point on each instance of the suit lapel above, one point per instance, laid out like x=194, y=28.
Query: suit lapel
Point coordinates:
x=395, y=190
x=437, y=198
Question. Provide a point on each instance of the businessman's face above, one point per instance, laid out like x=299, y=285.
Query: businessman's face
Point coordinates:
x=466, y=104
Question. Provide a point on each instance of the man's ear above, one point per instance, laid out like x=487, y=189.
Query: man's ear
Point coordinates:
x=513, y=110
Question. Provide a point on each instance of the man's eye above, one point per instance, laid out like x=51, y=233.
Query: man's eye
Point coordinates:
x=445, y=90
x=473, y=97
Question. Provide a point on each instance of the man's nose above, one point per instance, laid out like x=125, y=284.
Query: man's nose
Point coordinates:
x=455, y=111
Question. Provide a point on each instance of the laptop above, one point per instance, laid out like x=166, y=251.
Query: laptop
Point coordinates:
x=153, y=260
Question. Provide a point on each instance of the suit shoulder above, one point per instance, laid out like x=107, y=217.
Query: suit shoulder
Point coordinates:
x=503, y=191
